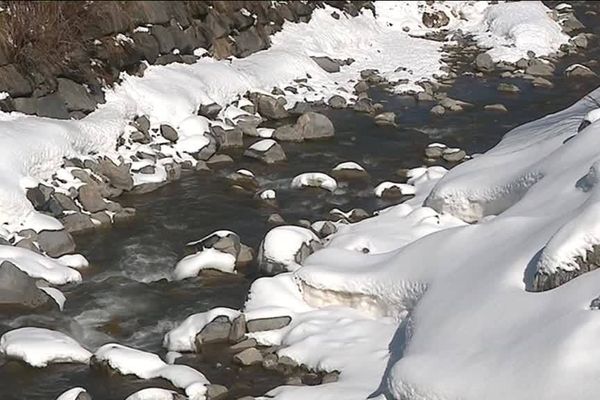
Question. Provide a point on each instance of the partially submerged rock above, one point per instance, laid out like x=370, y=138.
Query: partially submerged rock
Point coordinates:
x=267, y=151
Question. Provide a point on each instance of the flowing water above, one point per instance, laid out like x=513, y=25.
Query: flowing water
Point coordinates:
x=125, y=296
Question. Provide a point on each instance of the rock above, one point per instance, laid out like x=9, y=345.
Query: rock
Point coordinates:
x=142, y=123
x=102, y=217
x=327, y=229
x=435, y=19
x=580, y=40
x=28, y=244
x=539, y=68
x=52, y=106
x=249, y=41
x=245, y=256
x=77, y=222
x=270, y=362
x=123, y=215
x=76, y=96
x=90, y=198
x=337, y=101
x=434, y=151
x=216, y=392
x=268, y=324
x=453, y=155
x=56, y=243
x=287, y=362
x=18, y=288
x=542, y=82
x=210, y=111
x=245, y=181
x=59, y=203
x=288, y=133
x=225, y=243
x=327, y=64
x=294, y=381
x=207, y=151
x=219, y=159
x=495, y=108
x=361, y=87
x=438, y=110
x=484, y=62
x=267, y=151
x=13, y=82
x=424, y=96
x=227, y=139
x=508, y=88
x=216, y=331
x=385, y=119
x=330, y=377
x=243, y=345
x=570, y=23
x=147, y=45
x=249, y=124
x=314, y=125
x=579, y=71
x=275, y=220
x=364, y=105
x=39, y=196
x=311, y=379
x=238, y=330
x=119, y=176
x=248, y=357
x=169, y=133
x=270, y=108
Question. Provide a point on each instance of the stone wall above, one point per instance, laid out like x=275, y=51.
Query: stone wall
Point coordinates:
x=120, y=36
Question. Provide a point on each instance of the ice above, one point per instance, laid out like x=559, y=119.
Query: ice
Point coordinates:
x=39, y=347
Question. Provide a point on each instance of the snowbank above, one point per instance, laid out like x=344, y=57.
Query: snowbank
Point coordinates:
x=55, y=271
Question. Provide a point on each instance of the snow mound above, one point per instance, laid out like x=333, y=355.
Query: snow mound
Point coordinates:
x=153, y=394
x=191, y=265
x=281, y=244
x=39, y=266
x=145, y=365
x=314, y=179
x=39, y=347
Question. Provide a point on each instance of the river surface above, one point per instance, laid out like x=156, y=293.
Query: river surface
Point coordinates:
x=125, y=296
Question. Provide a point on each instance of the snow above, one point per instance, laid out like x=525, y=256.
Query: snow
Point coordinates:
x=405, y=189
x=263, y=145
x=183, y=337
x=39, y=347
x=71, y=394
x=189, y=266
x=268, y=194
x=282, y=243
x=39, y=266
x=146, y=365
x=314, y=179
x=348, y=165
x=56, y=295
x=153, y=394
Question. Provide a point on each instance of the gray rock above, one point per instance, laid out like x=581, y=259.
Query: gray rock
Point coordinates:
x=13, y=82
x=216, y=392
x=59, y=203
x=270, y=108
x=219, y=159
x=453, y=155
x=248, y=357
x=210, y=111
x=216, y=331
x=52, y=106
x=169, y=133
x=484, y=62
x=273, y=154
x=327, y=64
x=56, y=243
x=268, y=324
x=385, y=119
x=243, y=345
x=270, y=362
x=434, y=151
x=580, y=71
x=226, y=244
x=119, y=176
x=77, y=222
x=28, y=244
x=327, y=229
x=102, y=217
x=90, y=199
x=123, y=215
x=337, y=101
x=288, y=133
x=364, y=105
x=39, y=196
x=248, y=42
x=438, y=110
x=238, y=330
x=76, y=96
x=275, y=220
x=147, y=45
x=173, y=171
x=435, y=19
x=18, y=288
x=580, y=40
x=244, y=181
x=361, y=87
x=508, y=88
x=245, y=256
x=542, y=82
x=314, y=125
x=294, y=381
x=330, y=377
x=454, y=105
x=570, y=23
x=248, y=124
x=495, y=108
x=227, y=139
x=424, y=96
x=207, y=151
x=164, y=37
x=539, y=68
x=142, y=123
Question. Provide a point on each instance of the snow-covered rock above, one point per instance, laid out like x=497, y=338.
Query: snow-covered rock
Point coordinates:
x=315, y=180
x=285, y=247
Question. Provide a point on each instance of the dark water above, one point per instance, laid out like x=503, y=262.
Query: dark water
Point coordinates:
x=124, y=296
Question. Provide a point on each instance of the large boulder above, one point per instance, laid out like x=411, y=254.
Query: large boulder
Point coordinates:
x=13, y=82
x=285, y=248
x=288, y=133
x=227, y=138
x=327, y=64
x=56, y=243
x=90, y=199
x=18, y=288
x=76, y=96
x=314, y=125
x=484, y=62
x=119, y=176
